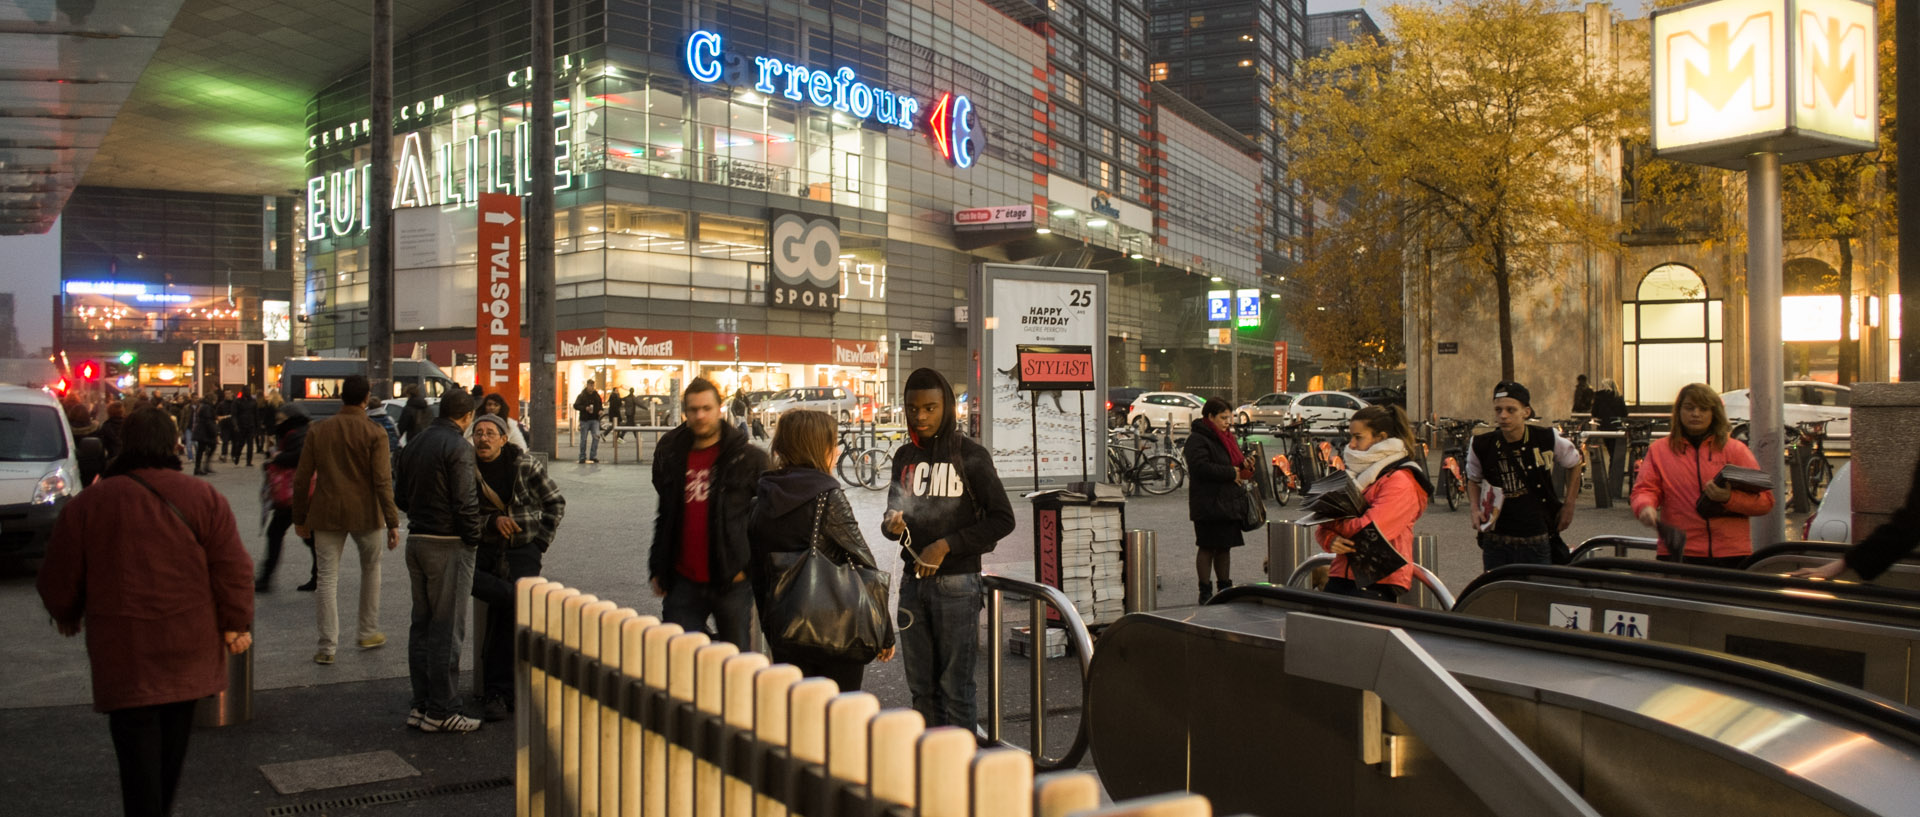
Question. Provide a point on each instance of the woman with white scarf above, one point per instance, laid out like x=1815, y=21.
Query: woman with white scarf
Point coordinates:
x=1379, y=456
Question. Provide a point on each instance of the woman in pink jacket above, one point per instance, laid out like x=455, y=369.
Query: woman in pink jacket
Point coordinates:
x=1379, y=455
x=1679, y=484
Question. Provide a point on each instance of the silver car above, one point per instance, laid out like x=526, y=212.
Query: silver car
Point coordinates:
x=1270, y=409
x=839, y=402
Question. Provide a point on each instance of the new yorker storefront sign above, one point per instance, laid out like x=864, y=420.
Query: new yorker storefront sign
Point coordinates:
x=950, y=120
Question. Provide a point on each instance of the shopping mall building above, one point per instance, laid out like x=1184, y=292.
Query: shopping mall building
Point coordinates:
x=902, y=143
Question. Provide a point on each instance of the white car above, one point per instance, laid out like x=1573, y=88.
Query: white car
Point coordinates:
x=1803, y=401
x=839, y=402
x=1326, y=410
x=39, y=469
x=1157, y=409
x=1833, y=520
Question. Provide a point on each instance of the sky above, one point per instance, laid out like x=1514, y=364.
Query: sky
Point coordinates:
x=30, y=269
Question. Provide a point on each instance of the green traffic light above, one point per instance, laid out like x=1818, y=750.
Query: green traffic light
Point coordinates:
x=126, y=358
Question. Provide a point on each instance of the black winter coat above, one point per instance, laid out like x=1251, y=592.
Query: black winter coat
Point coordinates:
x=1609, y=409
x=1212, y=480
x=433, y=483
x=739, y=468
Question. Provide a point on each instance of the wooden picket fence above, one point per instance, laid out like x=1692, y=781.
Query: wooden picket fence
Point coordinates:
x=620, y=715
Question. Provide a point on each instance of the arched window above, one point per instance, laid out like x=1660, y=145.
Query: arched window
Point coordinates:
x=1672, y=332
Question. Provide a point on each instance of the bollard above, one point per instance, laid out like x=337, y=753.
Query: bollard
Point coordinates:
x=1142, y=559
x=234, y=705
x=1426, y=553
x=1287, y=546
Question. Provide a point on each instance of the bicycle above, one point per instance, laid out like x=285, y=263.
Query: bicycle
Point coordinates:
x=1814, y=472
x=1129, y=465
x=1452, y=483
x=1639, y=439
x=865, y=465
x=1291, y=461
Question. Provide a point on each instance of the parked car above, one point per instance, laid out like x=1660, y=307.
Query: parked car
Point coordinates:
x=313, y=383
x=1382, y=395
x=1157, y=409
x=1119, y=404
x=1270, y=409
x=1803, y=401
x=1326, y=410
x=839, y=402
x=39, y=469
x=1833, y=520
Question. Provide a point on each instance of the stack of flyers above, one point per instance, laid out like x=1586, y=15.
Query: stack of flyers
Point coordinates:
x=1334, y=496
x=1373, y=557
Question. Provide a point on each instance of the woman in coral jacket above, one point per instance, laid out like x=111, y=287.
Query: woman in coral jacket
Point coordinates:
x=1379, y=456
x=1678, y=483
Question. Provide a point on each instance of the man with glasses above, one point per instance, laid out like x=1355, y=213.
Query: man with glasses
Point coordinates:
x=523, y=509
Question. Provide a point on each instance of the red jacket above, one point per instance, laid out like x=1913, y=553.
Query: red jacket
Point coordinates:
x=1672, y=481
x=1393, y=503
x=154, y=597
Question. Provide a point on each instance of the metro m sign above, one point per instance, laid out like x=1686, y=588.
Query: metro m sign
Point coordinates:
x=497, y=307
x=1735, y=77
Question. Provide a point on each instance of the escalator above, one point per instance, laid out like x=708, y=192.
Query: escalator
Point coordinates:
x=1277, y=701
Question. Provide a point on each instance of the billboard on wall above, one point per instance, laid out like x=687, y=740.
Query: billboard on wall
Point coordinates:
x=804, y=268
x=497, y=304
x=1015, y=306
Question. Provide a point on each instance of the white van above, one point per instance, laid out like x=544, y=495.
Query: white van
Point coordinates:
x=313, y=383
x=38, y=469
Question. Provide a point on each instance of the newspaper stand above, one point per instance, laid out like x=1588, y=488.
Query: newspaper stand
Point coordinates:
x=1078, y=544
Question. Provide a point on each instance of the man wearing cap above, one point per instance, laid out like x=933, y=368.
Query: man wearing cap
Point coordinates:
x=523, y=509
x=1516, y=512
x=434, y=484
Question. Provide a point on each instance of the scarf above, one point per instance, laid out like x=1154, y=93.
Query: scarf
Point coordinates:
x=1226, y=439
x=1365, y=466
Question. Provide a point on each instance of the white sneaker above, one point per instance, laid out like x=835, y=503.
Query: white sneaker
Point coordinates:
x=454, y=722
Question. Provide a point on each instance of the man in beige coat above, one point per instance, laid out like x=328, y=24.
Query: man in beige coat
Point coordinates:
x=345, y=459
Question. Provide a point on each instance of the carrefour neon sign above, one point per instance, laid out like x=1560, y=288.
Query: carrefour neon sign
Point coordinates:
x=951, y=124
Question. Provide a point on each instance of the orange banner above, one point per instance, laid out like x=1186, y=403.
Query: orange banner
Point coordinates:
x=498, y=297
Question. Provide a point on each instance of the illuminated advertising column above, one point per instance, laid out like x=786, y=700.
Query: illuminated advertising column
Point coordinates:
x=497, y=318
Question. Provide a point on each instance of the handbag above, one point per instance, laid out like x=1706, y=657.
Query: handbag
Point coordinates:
x=829, y=606
x=280, y=486
x=1250, y=510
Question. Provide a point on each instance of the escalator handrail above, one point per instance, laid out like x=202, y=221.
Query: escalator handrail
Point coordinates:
x=1599, y=543
x=1862, y=709
x=1856, y=591
x=1806, y=548
x=1826, y=606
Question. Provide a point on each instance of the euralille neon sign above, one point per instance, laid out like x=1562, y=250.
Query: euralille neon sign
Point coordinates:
x=950, y=121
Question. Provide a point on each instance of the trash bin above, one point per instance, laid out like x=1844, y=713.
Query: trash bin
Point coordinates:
x=235, y=705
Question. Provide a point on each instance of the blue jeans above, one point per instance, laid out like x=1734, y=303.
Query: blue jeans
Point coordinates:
x=590, y=435
x=1497, y=550
x=940, y=642
x=441, y=571
x=689, y=604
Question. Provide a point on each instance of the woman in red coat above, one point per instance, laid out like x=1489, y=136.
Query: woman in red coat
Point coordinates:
x=149, y=560
x=1379, y=455
x=1679, y=484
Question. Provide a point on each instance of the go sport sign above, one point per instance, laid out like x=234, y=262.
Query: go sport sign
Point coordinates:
x=804, y=268
x=950, y=121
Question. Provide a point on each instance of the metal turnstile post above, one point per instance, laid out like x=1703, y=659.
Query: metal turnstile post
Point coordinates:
x=1287, y=546
x=1426, y=553
x=1142, y=560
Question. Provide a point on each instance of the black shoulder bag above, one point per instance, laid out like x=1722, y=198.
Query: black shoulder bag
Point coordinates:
x=829, y=605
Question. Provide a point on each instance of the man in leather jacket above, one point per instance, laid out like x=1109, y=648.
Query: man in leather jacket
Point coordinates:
x=705, y=472
x=434, y=485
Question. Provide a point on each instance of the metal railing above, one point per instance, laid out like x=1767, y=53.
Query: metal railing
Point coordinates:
x=620, y=714
x=1041, y=597
x=1442, y=597
x=1621, y=546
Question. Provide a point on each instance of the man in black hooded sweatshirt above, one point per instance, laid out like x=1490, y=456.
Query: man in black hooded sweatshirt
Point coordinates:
x=947, y=503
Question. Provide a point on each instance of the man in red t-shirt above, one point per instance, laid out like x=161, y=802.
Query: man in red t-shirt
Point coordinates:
x=705, y=472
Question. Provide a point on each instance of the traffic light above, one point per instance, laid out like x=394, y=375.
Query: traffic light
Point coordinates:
x=89, y=370
x=61, y=387
x=127, y=358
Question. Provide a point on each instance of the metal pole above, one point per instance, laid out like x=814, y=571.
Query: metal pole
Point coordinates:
x=996, y=662
x=1083, y=442
x=1426, y=553
x=1033, y=425
x=1906, y=27
x=1765, y=360
x=380, y=199
x=1143, y=568
x=1287, y=546
x=539, y=247
x=1039, y=631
